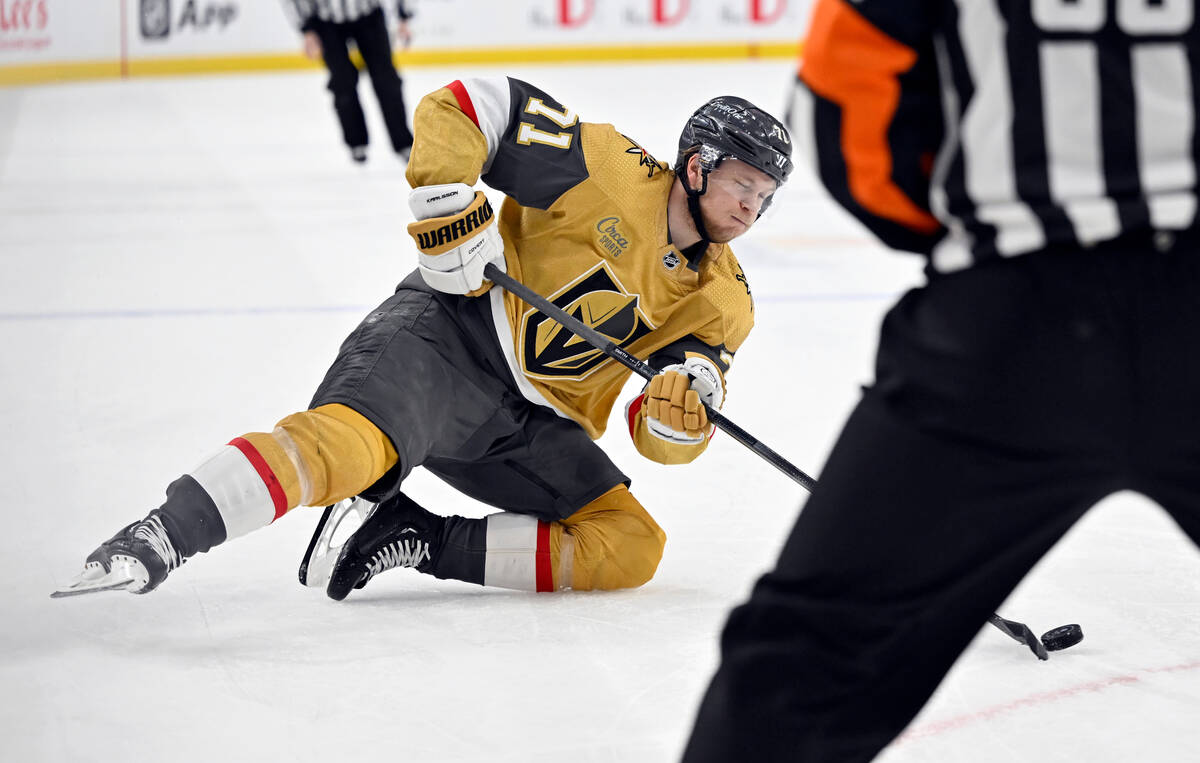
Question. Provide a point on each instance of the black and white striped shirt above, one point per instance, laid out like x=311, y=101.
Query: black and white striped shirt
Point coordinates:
x=1015, y=124
x=338, y=11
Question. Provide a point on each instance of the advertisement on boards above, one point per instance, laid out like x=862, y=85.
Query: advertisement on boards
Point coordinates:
x=462, y=23
x=37, y=31
x=176, y=36
x=174, y=28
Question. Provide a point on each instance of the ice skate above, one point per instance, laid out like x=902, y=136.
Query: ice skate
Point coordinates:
x=337, y=524
x=137, y=560
x=398, y=534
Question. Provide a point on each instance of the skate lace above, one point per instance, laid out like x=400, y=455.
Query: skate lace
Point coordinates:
x=151, y=531
x=399, y=553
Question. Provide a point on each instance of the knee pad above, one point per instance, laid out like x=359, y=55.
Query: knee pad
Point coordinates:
x=334, y=451
x=611, y=543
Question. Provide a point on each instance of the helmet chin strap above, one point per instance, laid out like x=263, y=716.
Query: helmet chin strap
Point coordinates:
x=694, y=253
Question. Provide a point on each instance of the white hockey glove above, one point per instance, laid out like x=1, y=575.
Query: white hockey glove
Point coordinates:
x=673, y=401
x=457, y=236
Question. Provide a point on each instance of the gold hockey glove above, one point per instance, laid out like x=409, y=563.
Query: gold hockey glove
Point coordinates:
x=674, y=399
x=674, y=408
x=457, y=237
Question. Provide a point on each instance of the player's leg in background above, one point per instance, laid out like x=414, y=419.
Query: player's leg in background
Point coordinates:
x=343, y=84
x=997, y=419
x=904, y=549
x=1166, y=426
x=1179, y=495
x=371, y=34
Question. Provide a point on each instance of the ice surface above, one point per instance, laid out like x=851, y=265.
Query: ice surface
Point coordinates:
x=180, y=259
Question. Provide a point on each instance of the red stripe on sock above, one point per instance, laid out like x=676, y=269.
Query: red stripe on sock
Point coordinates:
x=278, y=496
x=543, y=569
x=464, y=100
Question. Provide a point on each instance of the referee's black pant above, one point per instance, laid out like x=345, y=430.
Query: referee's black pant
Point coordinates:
x=370, y=34
x=1008, y=400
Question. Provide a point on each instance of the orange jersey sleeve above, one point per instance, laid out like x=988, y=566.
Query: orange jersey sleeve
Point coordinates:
x=877, y=118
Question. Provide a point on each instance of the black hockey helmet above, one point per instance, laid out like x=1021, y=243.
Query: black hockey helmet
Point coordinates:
x=731, y=127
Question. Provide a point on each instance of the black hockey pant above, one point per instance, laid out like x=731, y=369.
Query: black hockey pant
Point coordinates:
x=370, y=34
x=1009, y=399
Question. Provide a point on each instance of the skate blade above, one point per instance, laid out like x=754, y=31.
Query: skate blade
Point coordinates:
x=126, y=574
x=341, y=520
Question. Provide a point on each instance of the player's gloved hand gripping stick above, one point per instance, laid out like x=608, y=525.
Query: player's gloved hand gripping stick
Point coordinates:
x=456, y=236
x=1053, y=640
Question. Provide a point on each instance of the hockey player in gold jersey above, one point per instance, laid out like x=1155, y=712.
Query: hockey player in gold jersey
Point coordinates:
x=486, y=392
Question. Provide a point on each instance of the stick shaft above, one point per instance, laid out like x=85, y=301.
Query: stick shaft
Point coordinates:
x=641, y=368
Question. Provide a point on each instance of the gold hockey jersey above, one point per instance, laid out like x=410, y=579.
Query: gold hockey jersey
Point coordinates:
x=584, y=223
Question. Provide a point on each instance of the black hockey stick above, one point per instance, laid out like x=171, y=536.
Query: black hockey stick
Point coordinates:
x=1018, y=631
x=1053, y=640
x=641, y=368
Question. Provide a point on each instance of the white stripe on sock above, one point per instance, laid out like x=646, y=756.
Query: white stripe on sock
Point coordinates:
x=511, y=559
x=239, y=493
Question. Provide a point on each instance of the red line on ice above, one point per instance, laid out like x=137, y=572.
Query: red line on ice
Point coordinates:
x=935, y=728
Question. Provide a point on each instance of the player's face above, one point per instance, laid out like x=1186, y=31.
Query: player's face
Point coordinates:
x=735, y=195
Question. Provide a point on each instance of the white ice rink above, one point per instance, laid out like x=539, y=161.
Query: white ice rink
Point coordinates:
x=179, y=260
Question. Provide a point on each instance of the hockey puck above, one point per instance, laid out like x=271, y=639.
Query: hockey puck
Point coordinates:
x=1062, y=637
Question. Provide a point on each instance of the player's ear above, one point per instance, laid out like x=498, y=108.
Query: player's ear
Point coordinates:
x=695, y=173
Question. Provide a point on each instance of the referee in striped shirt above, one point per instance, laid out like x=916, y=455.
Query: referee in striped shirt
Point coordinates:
x=329, y=26
x=1043, y=157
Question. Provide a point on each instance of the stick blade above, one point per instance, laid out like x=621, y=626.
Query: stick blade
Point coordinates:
x=1021, y=633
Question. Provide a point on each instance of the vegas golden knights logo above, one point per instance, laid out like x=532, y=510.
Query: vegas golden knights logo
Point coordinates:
x=597, y=300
